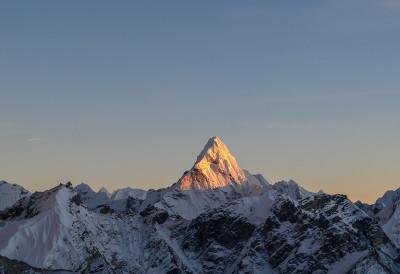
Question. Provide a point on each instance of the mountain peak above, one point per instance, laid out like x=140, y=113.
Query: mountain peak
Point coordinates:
x=104, y=190
x=82, y=187
x=215, y=167
x=213, y=145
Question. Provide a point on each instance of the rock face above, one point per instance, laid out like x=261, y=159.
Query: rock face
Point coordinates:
x=217, y=218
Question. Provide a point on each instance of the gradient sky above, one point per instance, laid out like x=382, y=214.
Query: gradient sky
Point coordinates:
x=126, y=93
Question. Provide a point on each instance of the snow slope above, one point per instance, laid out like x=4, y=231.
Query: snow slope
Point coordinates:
x=39, y=231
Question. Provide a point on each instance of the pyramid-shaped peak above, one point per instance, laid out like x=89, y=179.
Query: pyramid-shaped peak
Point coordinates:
x=214, y=147
x=103, y=189
x=215, y=167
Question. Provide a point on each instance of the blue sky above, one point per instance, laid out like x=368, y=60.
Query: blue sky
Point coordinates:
x=127, y=93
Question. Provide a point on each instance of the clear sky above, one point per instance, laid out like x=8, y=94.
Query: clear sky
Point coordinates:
x=126, y=93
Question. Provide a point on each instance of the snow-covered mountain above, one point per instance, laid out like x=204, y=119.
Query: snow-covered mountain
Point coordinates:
x=215, y=168
x=387, y=211
x=91, y=198
x=10, y=193
x=105, y=191
x=215, y=179
x=321, y=234
x=291, y=190
x=102, y=200
x=124, y=193
x=217, y=218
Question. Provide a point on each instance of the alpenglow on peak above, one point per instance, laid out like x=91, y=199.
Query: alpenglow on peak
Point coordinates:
x=215, y=168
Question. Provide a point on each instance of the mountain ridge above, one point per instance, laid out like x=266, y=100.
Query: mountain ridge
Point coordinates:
x=224, y=220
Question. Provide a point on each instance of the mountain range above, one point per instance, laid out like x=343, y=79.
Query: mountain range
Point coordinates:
x=217, y=218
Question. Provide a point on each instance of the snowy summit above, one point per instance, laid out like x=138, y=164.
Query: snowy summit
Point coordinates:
x=215, y=168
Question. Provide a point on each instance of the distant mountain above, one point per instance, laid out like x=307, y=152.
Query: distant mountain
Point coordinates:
x=10, y=193
x=291, y=190
x=105, y=191
x=124, y=193
x=217, y=218
x=91, y=198
x=103, y=200
x=387, y=211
